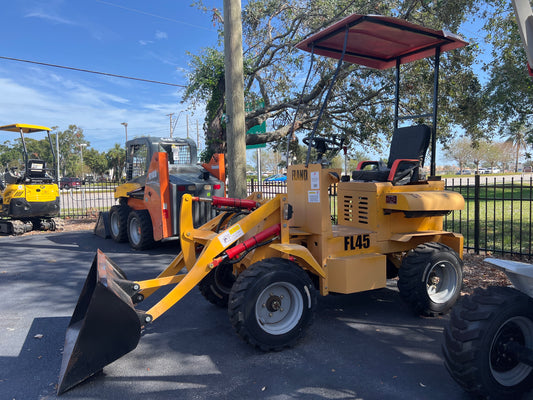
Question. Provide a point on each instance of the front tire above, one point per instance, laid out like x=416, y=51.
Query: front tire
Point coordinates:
x=118, y=223
x=476, y=343
x=272, y=304
x=430, y=278
x=140, y=230
x=217, y=284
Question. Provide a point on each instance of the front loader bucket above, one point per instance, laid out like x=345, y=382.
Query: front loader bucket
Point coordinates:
x=104, y=326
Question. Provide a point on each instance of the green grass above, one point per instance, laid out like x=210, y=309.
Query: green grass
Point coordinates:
x=504, y=223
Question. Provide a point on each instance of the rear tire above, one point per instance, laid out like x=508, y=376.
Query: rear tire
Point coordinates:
x=118, y=223
x=140, y=230
x=217, y=284
x=272, y=304
x=430, y=279
x=476, y=338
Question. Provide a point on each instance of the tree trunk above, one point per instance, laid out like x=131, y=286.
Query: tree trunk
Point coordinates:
x=235, y=124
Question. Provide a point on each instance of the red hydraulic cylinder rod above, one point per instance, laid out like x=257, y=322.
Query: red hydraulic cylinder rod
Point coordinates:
x=228, y=202
x=236, y=250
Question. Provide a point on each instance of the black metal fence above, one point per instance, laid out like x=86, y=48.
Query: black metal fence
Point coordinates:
x=497, y=217
x=87, y=200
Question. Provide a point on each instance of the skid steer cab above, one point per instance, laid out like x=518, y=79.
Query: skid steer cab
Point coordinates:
x=268, y=260
x=159, y=171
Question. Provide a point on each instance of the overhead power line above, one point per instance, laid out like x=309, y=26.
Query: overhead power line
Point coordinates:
x=92, y=72
x=155, y=15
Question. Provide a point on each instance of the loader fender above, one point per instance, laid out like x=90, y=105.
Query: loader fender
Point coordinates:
x=301, y=252
x=122, y=190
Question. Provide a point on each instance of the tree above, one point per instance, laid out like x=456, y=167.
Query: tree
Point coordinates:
x=95, y=161
x=11, y=154
x=517, y=136
x=506, y=155
x=460, y=150
x=270, y=161
x=493, y=154
x=69, y=149
x=509, y=91
x=116, y=158
x=361, y=104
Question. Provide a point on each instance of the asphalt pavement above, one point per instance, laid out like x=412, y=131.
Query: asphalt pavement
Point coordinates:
x=362, y=346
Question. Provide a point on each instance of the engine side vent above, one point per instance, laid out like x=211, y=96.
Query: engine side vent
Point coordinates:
x=347, y=207
x=362, y=210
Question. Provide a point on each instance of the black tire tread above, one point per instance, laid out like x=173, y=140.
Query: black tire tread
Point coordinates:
x=463, y=335
x=209, y=289
x=123, y=213
x=147, y=232
x=237, y=300
x=411, y=291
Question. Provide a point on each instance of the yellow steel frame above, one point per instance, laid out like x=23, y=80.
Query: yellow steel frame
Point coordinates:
x=326, y=250
x=199, y=265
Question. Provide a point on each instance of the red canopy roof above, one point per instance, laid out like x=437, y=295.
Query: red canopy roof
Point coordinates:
x=377, y=42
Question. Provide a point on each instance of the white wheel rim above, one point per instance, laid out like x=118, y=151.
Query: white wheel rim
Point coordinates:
x=442, y=282
x=114, y=224
x=135, y=230
x=279, y=308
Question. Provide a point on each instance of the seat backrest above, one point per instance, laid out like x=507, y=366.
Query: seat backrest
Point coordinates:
x=410, y=142
x=36, y=169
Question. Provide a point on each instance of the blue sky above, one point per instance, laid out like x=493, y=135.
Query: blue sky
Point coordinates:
x=148, y=40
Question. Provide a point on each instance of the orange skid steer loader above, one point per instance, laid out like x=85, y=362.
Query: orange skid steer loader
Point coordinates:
x=267, y=259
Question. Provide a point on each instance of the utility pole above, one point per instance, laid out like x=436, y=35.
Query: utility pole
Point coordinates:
x=234, y=79
x=170, y=115
x=197, y=136
x=125, y=128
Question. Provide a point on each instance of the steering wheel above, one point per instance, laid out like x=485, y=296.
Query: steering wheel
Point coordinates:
x=322, y=144
x=14, y=171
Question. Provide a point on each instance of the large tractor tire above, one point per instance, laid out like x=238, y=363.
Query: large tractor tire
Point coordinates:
x=217, y=284
x=430, y=278
x=140, y=230
x=272, y=304
x=478, y=346
x=118, y=223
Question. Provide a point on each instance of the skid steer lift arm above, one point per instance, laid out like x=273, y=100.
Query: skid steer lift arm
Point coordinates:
x=106, y=325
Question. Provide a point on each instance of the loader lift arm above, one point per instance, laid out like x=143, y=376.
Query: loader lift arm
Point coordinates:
x=100, y=336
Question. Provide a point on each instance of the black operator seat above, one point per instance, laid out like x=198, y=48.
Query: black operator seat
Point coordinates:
x=407, y=152
x=37, y=172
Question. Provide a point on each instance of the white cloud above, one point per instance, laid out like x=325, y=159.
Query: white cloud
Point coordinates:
x=145, y=42
x=49, y=17
x=62, y=102
x=161, y=35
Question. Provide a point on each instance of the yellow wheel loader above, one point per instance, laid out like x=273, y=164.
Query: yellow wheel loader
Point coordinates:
x=29, y=197
x=267, y=260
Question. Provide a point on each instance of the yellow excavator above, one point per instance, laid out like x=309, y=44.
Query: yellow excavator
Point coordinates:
x=29, y=197
x=267, y=260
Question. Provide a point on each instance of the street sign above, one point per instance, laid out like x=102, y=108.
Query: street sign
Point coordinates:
x=261, y=128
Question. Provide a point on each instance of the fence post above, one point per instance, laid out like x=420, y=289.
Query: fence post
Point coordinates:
x=252, y=184
x=476, y=213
